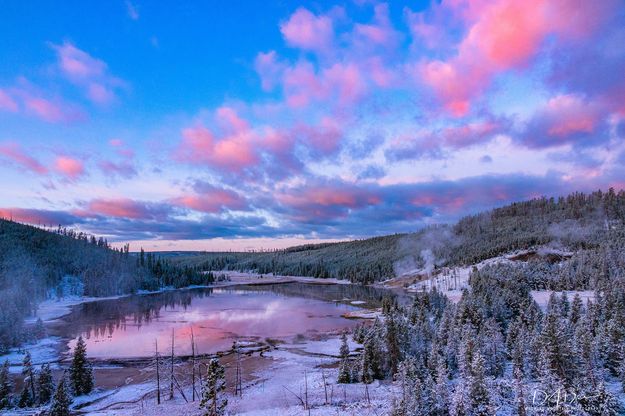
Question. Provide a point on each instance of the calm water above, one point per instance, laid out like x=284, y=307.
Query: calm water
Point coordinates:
x=128, y=327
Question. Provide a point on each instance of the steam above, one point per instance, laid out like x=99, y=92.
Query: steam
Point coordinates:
x=422, y=252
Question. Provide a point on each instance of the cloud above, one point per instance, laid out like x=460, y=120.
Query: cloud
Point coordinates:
x=564, y=119
x=7, y=103
x=307, y=31
x=124, y=208
x=211, y=199
x=39, y=216
x=503, y=35
x=132, y=10
x=234, y=151
x=436, y=144
x=87, y=72
x=73, y=169
x=16, y=155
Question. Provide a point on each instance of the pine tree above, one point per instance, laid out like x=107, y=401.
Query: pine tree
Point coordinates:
x=28, y=372
x=366, y=373
x=213, y=401
x=479, y=397
x=5, y=386
x=441, y=391
x=80, y=373
x=344, y=370
x=26, y=399
x=392, y=342
x=45, y=385
x=61, y=400
x=600, y=401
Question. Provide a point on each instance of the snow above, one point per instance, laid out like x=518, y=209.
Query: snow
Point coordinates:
x=41, y=352
x=542, y=296
x=329, y=347
x=451, y=280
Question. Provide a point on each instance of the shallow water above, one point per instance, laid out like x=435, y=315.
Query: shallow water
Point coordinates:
x=130, y=327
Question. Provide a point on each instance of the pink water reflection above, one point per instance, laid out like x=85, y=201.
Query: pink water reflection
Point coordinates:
x=216, y=320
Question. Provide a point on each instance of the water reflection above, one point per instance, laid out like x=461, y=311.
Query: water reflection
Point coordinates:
x=129, y=326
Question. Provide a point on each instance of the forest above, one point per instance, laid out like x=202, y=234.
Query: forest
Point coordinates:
x=36, y=264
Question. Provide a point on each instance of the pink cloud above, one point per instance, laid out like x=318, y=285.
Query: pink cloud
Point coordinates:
x=78, y=64
x=234, y=152
x=124, y=208
x=381, y=32
x=213, y=200
x=306, y=31
x=503, y=35
x=71, y=168
x=7, y=103
x=16, y=154
x=124, y=169
x=564, y=119
x=301, y=85
x=87, y=72
x=269, y=69
x=326, y=201
x=325, y=137
x=46, y=109
x=38, y=216
x=347, y=80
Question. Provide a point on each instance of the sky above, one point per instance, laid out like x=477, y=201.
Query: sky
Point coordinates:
x=231, y=125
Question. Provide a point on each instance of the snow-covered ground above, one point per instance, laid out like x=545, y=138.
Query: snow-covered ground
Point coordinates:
x=289, y=372
x=451, y=280
x=41, y=352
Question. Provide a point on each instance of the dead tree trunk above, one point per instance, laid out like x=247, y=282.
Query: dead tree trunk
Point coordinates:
x=158, y=376
x=193, y=363
x=171, y=373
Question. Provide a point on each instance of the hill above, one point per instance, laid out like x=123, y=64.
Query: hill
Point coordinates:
x=585, y=223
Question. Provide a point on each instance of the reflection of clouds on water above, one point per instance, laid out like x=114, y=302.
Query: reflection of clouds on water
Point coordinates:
x=234, y=315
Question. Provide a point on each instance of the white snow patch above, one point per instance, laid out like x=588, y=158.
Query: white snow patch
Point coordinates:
x=42, y=352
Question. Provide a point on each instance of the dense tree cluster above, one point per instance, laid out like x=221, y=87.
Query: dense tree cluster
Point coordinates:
x=496, y=350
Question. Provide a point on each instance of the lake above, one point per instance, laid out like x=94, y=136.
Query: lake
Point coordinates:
x=129, y=327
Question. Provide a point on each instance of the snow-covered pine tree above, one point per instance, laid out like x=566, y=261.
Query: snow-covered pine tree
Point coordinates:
x=61, y=400
x=344, y=370
x=441, y=390
x=80, y=373
x=479, y=396
x=600, y=401
x=366, y=373
x=5, y=386
x=392, y=341
x=214, y=401
x=28, y=371
x=45, y=385
x=26, y=399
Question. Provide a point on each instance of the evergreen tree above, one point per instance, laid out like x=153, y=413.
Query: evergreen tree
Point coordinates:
x=214, y=401
x=344, y=370
x=80, y=372
x=61, y=400
x=479, y=397
x=5, y=386
x=45, y=385
x=28, y=372
x=441, y=392
x=26, y=398
x=600, y=401
x=392, y=341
